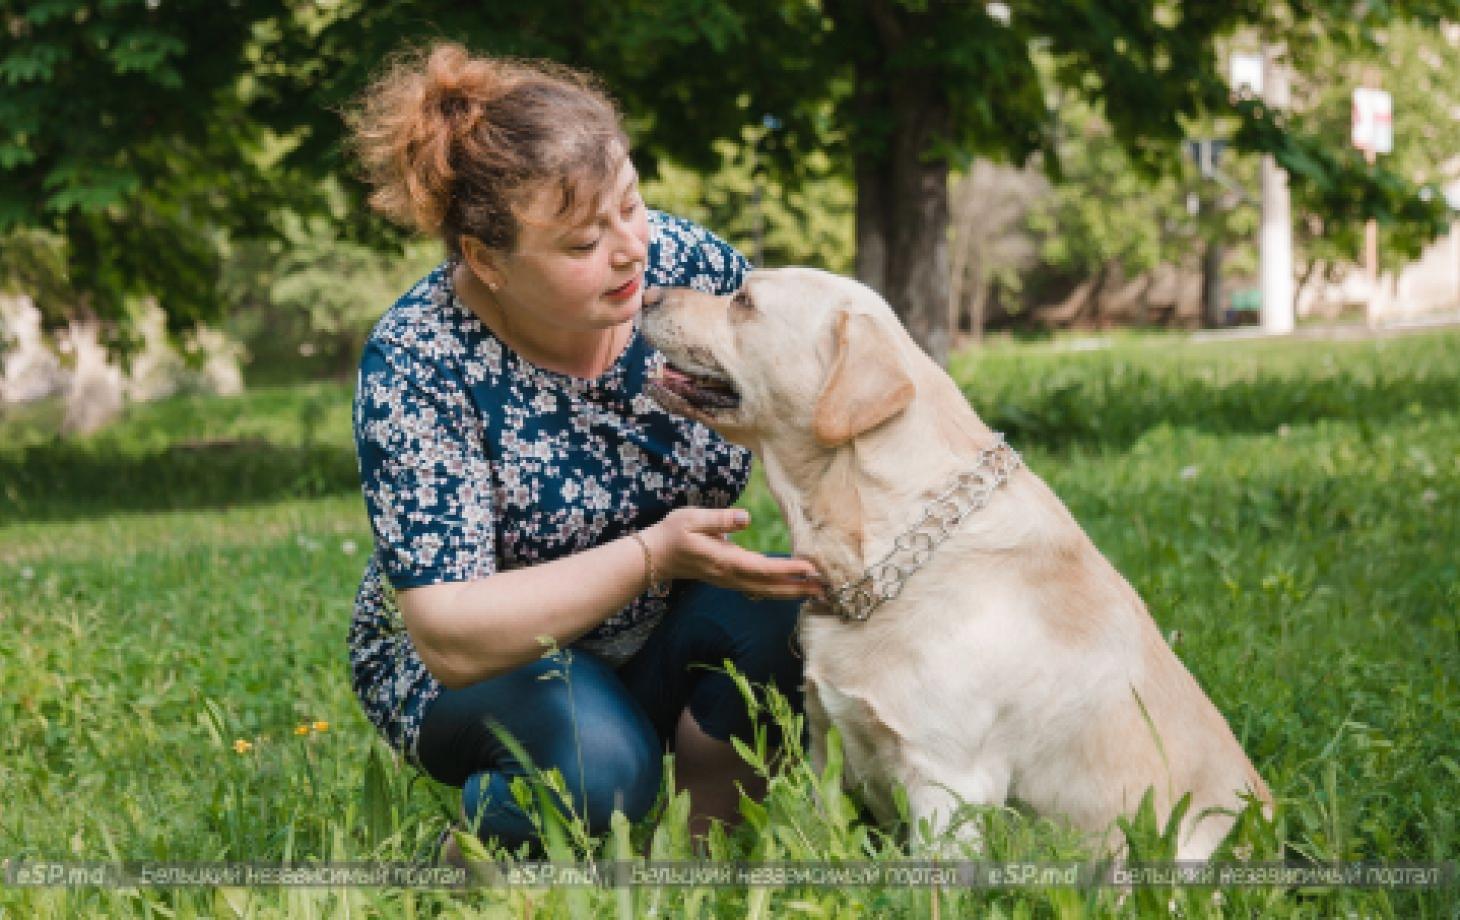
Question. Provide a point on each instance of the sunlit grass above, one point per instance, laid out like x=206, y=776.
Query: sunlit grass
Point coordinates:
x=174, y=595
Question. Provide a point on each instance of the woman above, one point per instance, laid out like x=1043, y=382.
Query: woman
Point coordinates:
x=523, y=490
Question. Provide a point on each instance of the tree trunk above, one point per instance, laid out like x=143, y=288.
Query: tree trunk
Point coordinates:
x=964, y=261
x=874, y=219
x=1213, y=310
x=979, y=310
x=902, y=187
x=1310, y=268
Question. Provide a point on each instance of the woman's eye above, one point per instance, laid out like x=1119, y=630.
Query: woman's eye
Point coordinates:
x=631, y=207
x=585, y=247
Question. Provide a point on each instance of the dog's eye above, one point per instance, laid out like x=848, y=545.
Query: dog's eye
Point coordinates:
x=741, y=306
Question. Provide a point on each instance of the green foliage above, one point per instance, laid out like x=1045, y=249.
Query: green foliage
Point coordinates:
x=125, y=133
x=310, y=289
x=1415, y=63
x=269, y=445
x=1106, y=400
x=147, y=135
x=806, y=224
x=1104, y=211
x=1108, y=208
x=1333, y=183
x=33, y=262
x=1280, y=506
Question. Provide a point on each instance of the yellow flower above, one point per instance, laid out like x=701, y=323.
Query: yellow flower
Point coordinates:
x=321, y=726
x=242, y=747
x=301, y=729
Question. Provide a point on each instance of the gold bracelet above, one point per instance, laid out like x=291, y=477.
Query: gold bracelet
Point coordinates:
x=650, y=572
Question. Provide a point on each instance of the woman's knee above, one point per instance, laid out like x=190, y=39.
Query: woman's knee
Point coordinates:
x=567, y=712
x=591, y=731
x=608, y=774
x=757, y=639
x=762, y=644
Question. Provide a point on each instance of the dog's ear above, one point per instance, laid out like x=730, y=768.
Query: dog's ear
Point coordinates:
x=867, y=385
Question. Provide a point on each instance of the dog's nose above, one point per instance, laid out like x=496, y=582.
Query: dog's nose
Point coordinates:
x=653, y=297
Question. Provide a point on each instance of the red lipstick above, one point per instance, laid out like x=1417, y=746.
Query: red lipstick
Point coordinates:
x=626, y=290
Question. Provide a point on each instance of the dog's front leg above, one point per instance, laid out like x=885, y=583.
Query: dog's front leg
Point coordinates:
x=868, y=748
x=941, y=825
x=816, y=725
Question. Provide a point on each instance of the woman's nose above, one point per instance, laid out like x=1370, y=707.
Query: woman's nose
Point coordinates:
x=632, y=250
x=631, y=247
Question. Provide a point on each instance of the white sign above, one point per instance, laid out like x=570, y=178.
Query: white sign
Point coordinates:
x=1373, y=120
x=1247, y=73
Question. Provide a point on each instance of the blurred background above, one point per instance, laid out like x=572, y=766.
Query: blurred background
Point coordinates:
x=176, y=212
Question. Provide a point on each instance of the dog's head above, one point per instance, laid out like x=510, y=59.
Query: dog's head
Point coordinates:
x=795, y=352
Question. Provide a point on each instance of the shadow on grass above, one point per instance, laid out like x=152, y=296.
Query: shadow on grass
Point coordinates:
x=1096, y=401
x=1116, y=411
x=64, y=481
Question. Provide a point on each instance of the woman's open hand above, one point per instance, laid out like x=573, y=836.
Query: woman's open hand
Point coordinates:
x=691, y=543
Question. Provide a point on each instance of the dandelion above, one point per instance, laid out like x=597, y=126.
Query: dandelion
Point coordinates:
x=1284, y=430
x=28, y=573
x=242, y=747
x=321, y=726
x=1428, y=496
x=301, y=729
x=348, y=547
x=1189, y=472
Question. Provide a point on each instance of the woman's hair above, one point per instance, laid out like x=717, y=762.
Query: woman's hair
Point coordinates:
x=452, y=143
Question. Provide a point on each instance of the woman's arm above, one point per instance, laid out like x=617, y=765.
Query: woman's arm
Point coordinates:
x=470, y=631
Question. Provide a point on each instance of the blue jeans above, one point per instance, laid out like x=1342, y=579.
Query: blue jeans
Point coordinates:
x=606, y=729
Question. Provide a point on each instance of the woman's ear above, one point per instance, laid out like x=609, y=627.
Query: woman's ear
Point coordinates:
x=483, y=260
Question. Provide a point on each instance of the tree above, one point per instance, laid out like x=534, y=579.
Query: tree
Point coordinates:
x=187, y=100
x=123, y=130
x=1417, y=65
x=899, y=90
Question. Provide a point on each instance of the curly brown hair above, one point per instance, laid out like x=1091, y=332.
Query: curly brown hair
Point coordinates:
x=452, y=142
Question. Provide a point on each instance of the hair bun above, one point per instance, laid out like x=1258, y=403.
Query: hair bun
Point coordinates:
x=447, y=139
x=457, y=86
x=453, y=105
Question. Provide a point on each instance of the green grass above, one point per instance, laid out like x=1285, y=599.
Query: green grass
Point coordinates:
x=183, y=581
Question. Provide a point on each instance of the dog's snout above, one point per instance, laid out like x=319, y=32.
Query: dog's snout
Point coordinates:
x=653, y=297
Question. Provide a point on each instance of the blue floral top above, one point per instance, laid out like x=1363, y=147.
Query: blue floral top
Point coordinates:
x=474, y=461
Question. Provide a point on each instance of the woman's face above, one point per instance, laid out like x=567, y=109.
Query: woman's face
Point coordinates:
x=577, y=271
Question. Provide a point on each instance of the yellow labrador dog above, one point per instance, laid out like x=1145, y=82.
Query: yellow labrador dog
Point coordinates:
x=976, y=647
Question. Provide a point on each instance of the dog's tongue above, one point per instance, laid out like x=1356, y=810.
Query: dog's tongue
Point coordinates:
x=673, y=377
x=704, y=394
x=676, y=382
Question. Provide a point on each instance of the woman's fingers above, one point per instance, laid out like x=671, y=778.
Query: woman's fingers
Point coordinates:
x=783, y=569
x=710, y=557
x=770, y=576
x=719, y=521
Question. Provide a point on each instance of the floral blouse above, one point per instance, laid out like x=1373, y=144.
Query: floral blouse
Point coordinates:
x=473, y=461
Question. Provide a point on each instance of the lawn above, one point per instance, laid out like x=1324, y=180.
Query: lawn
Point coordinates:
x=174, y=595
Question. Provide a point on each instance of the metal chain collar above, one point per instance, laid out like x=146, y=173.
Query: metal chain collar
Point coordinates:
x=855, y=600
